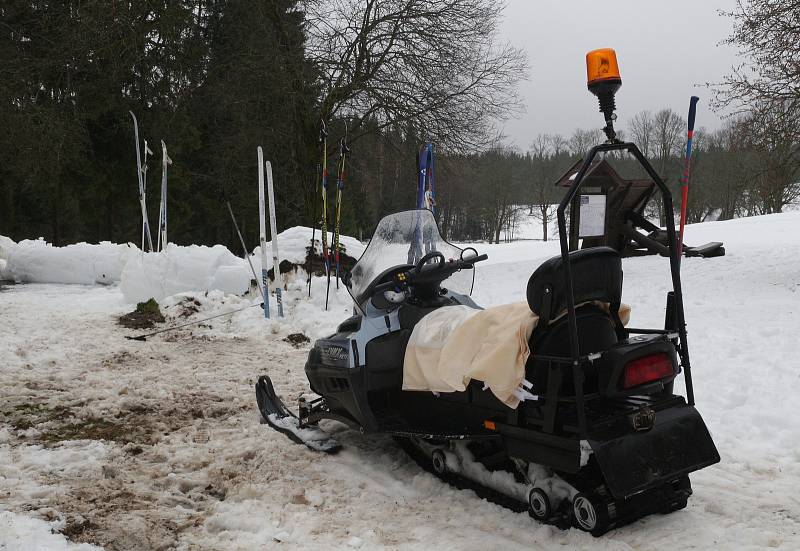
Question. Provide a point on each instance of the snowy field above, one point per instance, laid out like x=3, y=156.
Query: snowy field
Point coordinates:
x=117, y=444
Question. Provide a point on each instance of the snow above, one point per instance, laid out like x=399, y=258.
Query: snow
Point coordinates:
x=293, y=245
x=176, y=269
x=182, y=461
x=180, y=269
x=36, y=261
x=21, y=533
x=6, y=246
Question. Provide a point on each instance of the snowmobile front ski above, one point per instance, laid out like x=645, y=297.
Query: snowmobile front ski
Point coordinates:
x=275, y=414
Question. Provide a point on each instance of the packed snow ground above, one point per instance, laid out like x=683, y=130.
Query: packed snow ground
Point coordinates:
x=157, y=445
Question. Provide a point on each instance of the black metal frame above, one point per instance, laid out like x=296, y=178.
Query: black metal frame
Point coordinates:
x=676, y=300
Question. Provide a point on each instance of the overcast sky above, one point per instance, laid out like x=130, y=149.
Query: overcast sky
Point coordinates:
x=664, y=49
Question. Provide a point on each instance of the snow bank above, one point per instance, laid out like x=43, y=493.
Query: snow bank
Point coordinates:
x=293, y=245
x=179, y=269
x=6, y=246
x=36, y=261
x=198, y=268
x=21, y=533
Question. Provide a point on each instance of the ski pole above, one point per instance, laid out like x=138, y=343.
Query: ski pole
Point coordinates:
x=246, y=255
x=686, y=168
x=323, y=132
x=343, y=151
x=144, y=336
x=325, y=252
x=311, y=250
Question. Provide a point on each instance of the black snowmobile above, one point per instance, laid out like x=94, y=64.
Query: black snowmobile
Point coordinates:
x=606, y=442
x=602, y=440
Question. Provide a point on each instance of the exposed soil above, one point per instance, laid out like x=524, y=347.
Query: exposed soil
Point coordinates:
x=146, y=315
x=298, y=340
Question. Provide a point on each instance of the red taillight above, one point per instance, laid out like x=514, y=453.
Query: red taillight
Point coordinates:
x=646, y=370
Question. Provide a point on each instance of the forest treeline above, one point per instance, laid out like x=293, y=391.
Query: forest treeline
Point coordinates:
x=216, y=78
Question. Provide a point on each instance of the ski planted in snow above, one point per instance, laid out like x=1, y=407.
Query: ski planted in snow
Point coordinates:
x=325, y=252
x=426, y=198
x=273, y=228
x=162, y=211
x=344, y=149
x=142, y=191
x=262, y=224
x=147, y=151
x=426, y=189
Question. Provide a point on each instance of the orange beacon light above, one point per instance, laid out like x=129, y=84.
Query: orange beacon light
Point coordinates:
x=603, y=80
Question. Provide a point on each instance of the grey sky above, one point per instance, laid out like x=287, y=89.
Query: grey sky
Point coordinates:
x=664, y=49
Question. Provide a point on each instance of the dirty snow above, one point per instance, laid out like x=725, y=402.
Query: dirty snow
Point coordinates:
x=157, y=444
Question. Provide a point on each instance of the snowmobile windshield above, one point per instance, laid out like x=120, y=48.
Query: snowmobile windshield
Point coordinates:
x=402, y=239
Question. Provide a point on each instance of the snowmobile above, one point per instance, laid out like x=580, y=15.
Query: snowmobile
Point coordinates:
x=605, y=442
x=602, y=438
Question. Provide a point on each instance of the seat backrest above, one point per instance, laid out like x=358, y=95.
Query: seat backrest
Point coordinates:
x=596, y=275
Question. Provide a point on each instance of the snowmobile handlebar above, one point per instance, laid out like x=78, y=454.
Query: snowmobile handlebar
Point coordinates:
x=428, y=273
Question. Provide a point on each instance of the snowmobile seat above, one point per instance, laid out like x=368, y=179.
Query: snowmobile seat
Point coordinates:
x=597, y=331
x=596, y=276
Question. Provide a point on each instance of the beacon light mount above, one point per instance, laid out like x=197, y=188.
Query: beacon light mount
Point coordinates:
x=603, y=80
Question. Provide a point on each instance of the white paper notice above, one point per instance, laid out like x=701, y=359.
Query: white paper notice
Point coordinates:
x=592, y=216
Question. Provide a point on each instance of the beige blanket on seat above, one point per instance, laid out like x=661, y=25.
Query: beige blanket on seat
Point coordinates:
x=455, y=344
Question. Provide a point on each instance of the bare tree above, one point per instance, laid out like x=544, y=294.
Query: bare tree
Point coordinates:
x=434, y=67
x=544, y=155
x=582, y=140
x=667, y=138
x=767, y=35
x=771, y=134
x=642, y=129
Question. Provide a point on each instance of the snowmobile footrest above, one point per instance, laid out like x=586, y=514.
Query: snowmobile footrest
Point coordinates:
x=275, y=413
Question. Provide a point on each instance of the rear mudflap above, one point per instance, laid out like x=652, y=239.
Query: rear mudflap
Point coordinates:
x=677, y=444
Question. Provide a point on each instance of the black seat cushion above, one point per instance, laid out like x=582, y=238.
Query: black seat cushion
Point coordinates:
x=597, y=331
x=596, y=275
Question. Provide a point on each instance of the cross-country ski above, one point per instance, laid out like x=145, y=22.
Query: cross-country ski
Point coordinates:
x=472, y=303
x=276, y=268
x=140, y=172
x=262, y=224
x=162, y=210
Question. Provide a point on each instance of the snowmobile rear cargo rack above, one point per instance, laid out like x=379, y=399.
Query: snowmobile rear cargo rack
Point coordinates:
x=672, y=249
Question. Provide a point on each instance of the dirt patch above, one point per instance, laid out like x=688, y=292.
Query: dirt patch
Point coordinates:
x=91, y=429
x=188, y=306
x=26, y=416
x=77, y=528
x=297, y=340
x=146, y=315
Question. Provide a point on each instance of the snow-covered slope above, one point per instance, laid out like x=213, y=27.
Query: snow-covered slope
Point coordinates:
x=186, y=465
